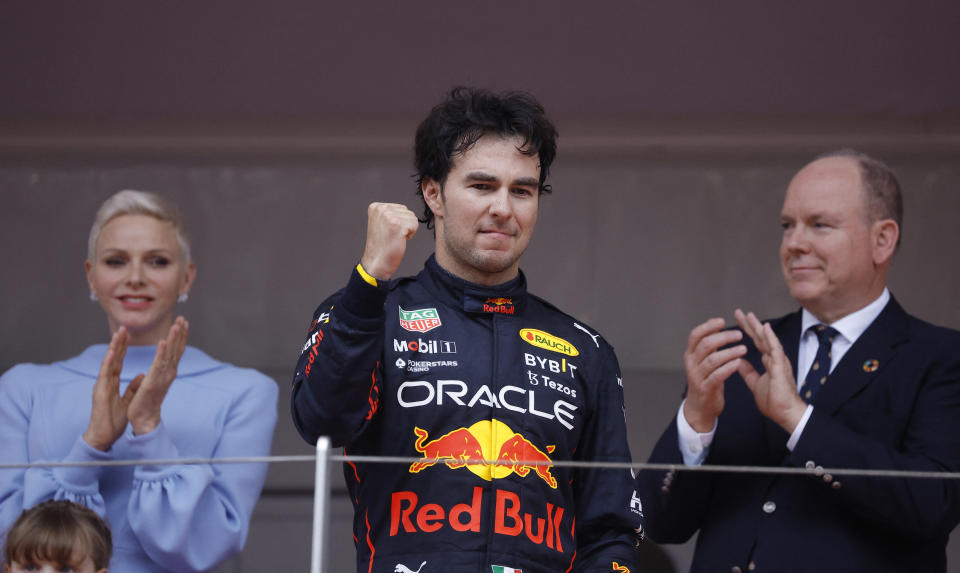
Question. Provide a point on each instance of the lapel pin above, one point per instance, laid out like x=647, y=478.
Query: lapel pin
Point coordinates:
x=871, y=365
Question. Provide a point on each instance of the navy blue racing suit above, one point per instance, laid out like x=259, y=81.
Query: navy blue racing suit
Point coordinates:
x=479, y=383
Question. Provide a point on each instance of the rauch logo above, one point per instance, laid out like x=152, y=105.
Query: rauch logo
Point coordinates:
x=546, y=340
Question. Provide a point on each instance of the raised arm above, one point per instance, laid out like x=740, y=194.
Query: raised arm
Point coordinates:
x=336, y=385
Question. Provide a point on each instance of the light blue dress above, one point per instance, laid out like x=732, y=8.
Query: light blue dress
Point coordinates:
x=185, y=517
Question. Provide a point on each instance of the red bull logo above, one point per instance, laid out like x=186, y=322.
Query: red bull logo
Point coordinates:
x=521, y=456
x=489, y=449
x=457, y=449
x=501, y=305
x=541, y=526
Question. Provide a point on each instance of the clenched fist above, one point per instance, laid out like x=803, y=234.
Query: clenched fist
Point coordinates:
x=389, y=227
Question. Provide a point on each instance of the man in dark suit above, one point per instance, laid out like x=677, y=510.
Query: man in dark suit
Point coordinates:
x=876, y=389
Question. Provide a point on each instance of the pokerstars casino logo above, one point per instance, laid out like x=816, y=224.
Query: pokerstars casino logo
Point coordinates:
x=542, y=339
x=422, y=320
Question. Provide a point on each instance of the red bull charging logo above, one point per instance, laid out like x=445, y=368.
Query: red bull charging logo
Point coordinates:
x=493, y=440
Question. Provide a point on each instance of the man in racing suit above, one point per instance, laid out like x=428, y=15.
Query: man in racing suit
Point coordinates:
x=460, y=367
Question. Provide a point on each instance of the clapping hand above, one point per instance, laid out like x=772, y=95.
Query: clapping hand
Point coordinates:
x=775, y=391
x=144, y=409
x=709, y=360
x=140, y=403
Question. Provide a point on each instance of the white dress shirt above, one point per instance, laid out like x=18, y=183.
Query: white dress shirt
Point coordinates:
x=695, y=446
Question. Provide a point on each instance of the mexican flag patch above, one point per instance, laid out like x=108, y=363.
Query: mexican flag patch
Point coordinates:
x=502, y=569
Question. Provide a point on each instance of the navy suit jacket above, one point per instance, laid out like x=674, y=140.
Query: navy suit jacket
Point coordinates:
x=903, y=414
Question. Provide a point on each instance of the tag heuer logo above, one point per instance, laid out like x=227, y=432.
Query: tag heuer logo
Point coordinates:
x=420, y=320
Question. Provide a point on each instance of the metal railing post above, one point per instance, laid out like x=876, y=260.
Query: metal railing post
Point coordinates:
x=321, y=496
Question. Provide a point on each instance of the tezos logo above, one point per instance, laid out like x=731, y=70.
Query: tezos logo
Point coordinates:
x=542, y=339
x=421, y=320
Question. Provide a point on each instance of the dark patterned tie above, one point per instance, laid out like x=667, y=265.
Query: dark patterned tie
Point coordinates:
x=820, y=368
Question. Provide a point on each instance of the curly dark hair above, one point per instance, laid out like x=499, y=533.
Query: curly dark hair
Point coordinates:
x=466, y=115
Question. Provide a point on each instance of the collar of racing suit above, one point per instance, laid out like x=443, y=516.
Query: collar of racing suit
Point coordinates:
x=504, y=298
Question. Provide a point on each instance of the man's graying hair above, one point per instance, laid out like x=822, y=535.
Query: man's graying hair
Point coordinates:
x=884, y=200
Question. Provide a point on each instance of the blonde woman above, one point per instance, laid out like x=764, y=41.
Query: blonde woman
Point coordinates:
x=144, y=396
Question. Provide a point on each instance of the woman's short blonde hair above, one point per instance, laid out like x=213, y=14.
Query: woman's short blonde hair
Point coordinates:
x=130, y=202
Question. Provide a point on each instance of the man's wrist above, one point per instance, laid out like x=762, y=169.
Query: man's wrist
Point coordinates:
x=375, y=268
x=361, y=299
x=700, y=423
x=792, y=416
x=694, y=445
x=798, y=430
x=367, y=277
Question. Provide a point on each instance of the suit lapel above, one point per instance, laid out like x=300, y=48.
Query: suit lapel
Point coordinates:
x=865, y=360
x=787, y=330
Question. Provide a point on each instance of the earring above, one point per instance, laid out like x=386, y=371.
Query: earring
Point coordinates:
x=182, y=298
x=93, y=296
